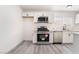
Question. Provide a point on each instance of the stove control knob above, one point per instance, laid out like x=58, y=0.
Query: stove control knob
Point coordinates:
x=46, y=35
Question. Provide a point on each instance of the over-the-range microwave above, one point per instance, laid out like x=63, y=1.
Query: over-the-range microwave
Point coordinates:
x=43, y=19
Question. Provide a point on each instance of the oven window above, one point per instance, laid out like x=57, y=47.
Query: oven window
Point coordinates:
x=43, y=37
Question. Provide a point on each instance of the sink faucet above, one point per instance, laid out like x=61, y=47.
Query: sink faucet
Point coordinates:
x=64, y=27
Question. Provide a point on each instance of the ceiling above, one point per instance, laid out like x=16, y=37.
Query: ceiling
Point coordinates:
x=49, y=8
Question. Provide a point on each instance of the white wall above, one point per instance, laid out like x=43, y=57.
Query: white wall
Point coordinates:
x=10, y=27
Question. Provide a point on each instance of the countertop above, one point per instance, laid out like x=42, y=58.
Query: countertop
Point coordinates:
x=72, y=31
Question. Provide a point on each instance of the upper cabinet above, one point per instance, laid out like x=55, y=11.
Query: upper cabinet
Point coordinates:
x=77, y=18
x=64, y=18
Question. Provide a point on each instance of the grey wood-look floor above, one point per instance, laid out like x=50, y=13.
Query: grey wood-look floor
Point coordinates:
x=27, y=47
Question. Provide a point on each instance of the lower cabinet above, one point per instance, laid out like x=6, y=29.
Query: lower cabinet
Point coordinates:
x=35, y=37
x=67, y=37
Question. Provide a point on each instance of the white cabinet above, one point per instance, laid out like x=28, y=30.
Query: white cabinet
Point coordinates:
x=34, y=37
x=67, y=37
x=64, y=18
x=51, y=37
x=69, y=20
x=77, y=18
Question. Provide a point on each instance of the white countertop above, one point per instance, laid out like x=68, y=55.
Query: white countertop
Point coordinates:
x=73, y=31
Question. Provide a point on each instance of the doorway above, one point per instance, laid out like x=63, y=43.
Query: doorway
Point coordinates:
x=28, y=28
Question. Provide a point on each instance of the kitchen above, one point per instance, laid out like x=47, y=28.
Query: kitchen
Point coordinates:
x=56, y=23
x=40, y=29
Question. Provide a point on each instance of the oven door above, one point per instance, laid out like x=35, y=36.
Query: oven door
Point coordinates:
x=42, y=37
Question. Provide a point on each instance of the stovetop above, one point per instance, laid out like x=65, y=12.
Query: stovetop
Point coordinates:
x=43, y=29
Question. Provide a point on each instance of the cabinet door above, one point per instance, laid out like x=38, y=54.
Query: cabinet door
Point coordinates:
x=51, y=37
x=34, y=37
x=77, y=19
x=67, y=37
x=70, y=37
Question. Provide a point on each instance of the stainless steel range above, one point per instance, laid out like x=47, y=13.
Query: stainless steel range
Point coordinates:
x=42, y=34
